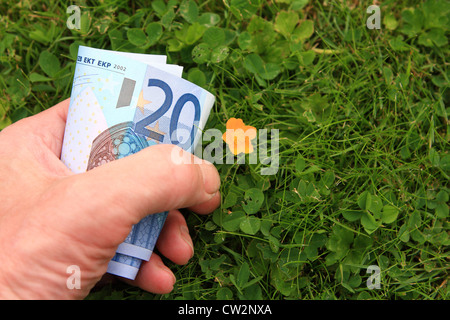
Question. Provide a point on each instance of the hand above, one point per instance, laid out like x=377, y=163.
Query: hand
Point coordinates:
x=51, y=218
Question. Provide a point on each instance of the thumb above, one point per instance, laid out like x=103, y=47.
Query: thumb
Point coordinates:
x=148, y=182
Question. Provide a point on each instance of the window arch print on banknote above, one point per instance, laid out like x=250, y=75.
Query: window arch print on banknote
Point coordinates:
x=114, y=143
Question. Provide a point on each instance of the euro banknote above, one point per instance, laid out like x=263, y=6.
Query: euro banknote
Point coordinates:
x=120, y=104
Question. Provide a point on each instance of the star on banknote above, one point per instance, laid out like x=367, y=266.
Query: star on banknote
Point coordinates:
x=156, y=133
x=142, y=102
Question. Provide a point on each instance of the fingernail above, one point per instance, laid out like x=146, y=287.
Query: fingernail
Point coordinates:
x=211, y=178
x=184, y=232
x=162, y=266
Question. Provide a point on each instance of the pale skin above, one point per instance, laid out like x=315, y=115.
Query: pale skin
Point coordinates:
x=51, y=218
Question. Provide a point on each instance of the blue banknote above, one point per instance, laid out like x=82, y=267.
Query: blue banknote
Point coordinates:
x=120, y=104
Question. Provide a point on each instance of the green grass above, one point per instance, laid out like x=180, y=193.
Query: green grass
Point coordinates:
x=364, y=135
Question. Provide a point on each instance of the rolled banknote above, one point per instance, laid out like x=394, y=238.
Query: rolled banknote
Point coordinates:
x=121, y=103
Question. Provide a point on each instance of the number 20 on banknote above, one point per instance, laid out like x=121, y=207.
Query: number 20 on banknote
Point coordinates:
x=144, y=105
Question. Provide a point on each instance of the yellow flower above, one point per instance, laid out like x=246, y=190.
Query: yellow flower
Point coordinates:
x=238, y=136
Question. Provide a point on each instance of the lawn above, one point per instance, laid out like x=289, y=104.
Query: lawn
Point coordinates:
x=358, y=208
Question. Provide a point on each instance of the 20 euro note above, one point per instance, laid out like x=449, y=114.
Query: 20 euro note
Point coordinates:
x=120, y=104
